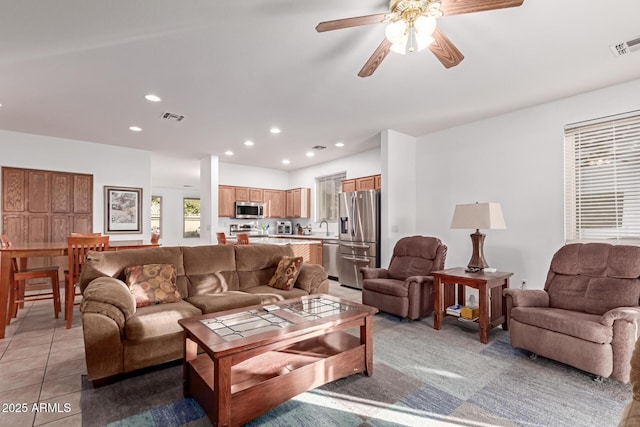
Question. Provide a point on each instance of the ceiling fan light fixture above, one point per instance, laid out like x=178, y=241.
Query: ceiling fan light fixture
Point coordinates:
x=425, y=25
x=396, y=32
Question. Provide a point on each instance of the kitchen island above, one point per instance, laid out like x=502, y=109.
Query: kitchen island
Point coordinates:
x=309, y=250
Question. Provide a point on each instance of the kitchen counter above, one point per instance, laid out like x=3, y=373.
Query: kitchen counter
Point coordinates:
x=286, y=240
x=312, y=237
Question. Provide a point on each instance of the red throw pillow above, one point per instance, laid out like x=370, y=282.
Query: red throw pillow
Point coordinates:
x=152, y=284
x=286, y=274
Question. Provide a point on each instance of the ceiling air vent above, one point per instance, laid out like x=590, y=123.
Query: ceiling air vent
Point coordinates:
x=626, y=48
x=173, y=116
x=318, y=147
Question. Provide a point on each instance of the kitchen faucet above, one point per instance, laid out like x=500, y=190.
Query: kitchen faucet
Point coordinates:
x=325, y=223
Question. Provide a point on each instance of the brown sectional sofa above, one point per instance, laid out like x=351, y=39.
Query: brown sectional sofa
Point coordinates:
x=588, y=314
x=121, y=338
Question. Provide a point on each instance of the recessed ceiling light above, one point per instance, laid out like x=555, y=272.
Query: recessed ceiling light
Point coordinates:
x=286, y=161
x=248, y=143
x=310, y=154
x=135, y=128
x=275, y=130
x=339, y=144
x=229, y=153
x=153, y=98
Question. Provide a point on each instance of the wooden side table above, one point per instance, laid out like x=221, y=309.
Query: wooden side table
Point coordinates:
x=492, y=306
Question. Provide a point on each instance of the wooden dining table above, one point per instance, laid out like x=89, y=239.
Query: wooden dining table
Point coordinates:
x=50, y=249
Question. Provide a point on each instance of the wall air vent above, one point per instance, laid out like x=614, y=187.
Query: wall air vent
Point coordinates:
x=318, y=147
x=625, y=48
x=173, y=116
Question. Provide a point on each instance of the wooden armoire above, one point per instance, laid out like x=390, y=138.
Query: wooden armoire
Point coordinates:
x=45, y=206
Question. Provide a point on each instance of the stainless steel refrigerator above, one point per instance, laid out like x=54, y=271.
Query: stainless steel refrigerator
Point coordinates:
x=359, y=235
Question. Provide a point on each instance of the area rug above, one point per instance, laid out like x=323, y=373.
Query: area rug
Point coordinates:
x=421, y=377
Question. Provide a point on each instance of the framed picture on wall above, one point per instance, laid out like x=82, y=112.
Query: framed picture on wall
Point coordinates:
x=122, y=210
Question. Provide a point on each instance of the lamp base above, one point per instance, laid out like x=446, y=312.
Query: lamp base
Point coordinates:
x=477, y=261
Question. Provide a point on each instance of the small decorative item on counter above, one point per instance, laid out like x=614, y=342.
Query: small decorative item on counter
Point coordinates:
x=299, y=229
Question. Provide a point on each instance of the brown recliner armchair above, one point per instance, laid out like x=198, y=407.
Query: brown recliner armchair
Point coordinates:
x=405, y=288
x=588, y=313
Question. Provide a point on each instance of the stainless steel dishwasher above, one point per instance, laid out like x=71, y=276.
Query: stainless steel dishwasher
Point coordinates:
x=330, y=257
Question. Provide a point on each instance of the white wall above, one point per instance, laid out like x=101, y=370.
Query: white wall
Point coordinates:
x=398, y=208
x=516, y=159
x=109, y=165
x=251, y=176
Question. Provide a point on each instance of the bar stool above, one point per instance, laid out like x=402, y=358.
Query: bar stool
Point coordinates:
x=19, y=277
x=222, y=239
x=242, y=239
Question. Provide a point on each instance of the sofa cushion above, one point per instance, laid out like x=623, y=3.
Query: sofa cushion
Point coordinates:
x=210, y=269
x=221, y=301
x=152, y=284
x=286, y=273
x=392, y=287
x=270, y=295
x=158, y=320
x=255, y=264
x=567, y=292
x=113, y=263
x=576, y=324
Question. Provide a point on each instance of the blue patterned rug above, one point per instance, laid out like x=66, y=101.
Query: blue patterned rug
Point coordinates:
x=421, y=377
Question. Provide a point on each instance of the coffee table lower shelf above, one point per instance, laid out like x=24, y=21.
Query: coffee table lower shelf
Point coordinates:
x=266, y=380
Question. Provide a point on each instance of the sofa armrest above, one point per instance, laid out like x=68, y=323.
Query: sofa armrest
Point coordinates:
x=374, y=273
x=629, y=314
x=527, y=297
x=109, y=297
x=313, y=279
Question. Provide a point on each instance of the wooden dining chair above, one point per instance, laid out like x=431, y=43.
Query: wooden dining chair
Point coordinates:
x=19, y=277
x=77, y=247
x=222, y=239
x=242, y=239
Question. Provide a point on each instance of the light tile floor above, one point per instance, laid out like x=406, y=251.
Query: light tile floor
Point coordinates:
x=41, y=364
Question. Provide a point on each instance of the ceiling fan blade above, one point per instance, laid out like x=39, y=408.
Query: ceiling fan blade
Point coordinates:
x=458, y=7
x=376, y=59
x=444, y=50
x=357, y=21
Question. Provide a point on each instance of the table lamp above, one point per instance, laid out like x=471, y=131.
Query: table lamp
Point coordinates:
x=478, y=215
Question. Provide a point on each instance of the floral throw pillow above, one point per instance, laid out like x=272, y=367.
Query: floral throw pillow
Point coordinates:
x=152, y=284
x=286, y=274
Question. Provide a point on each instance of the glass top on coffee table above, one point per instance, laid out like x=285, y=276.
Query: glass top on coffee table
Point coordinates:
x=252, y=322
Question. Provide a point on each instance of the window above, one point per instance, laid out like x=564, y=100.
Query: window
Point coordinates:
x=602, y=179
x=156, y=214
x=327, y=189
x=191, y=209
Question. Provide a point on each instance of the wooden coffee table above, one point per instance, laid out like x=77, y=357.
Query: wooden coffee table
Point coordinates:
x=253, y=360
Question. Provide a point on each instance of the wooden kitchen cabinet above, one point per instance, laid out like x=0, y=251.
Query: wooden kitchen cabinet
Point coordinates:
x=348, y=185
x=365, y=183
x=299, y=203
x=275, y=203
x=247, y=194
x=226, y=200
x=371, y=182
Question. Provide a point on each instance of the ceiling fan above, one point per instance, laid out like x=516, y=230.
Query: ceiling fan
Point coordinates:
x=412, y=25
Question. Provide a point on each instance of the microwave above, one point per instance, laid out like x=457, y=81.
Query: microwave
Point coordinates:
x=249, y=210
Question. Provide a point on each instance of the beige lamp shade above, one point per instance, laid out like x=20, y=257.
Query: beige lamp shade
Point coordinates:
x=477, y=216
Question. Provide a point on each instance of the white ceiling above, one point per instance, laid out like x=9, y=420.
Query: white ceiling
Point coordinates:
x=79, y=69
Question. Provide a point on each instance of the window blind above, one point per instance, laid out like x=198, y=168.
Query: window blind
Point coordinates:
x=327, y=189
x=602, y=180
